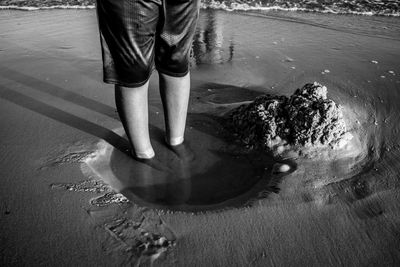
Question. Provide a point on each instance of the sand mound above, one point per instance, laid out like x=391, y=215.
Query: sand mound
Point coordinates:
x=307, y=118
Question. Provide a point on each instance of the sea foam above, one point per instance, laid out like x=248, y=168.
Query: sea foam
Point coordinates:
x=33, y=8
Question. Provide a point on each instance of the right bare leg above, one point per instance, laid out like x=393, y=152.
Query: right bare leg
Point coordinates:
x=175, y=93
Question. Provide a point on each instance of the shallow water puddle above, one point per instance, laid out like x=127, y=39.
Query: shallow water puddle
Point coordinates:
x=210, y=172
x=206, y=174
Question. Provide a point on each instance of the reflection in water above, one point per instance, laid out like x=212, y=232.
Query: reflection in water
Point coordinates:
x=208, y=43
x=212, y=180
x=189, y=186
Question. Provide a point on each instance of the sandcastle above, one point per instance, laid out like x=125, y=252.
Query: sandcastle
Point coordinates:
x=307, y=119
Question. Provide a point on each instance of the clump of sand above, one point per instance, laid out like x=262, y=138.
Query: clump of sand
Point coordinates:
x=306, y=119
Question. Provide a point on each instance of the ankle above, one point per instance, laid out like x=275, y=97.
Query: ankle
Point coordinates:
x=146, y=154
x=174, y=141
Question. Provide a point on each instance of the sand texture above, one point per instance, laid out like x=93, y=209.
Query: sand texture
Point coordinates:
x=72, y=196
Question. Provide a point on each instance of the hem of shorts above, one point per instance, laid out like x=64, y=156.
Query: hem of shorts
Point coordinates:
x=117, y=82
x=173, y=74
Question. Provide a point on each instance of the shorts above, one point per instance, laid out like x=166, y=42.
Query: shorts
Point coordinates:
x=139, y=35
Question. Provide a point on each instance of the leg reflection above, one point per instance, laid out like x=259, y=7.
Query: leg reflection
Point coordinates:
x=169, y=186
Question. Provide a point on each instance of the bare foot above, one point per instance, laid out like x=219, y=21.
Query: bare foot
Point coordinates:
x=183, y=151
x=152, y=162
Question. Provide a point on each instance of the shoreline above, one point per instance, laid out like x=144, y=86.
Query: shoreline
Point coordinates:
x=297, y=6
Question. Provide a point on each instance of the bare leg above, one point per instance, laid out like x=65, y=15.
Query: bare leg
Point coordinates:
x=132, y=107
x=175, y=93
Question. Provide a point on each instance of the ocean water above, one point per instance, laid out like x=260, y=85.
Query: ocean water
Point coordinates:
x=356, y=7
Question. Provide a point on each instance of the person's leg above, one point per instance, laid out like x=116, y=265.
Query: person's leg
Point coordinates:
x=127, y=30
x=132, y=107
x=175, y=93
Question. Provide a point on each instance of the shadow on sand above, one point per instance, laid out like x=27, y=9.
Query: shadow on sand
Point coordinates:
x=59, y=115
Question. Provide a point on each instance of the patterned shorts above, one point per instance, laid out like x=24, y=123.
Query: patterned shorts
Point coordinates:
x=139, y=35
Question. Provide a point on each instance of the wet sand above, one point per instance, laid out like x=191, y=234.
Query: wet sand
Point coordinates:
x=62, y=146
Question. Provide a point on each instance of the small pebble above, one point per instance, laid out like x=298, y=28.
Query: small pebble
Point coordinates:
x=325, y=71
x=374, y=61
x=383, y=76
x=278, y=167
x=391, y=72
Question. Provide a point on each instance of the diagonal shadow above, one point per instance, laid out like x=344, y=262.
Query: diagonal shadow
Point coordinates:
x=66, y=118
x=72, y=97
x=59, y=92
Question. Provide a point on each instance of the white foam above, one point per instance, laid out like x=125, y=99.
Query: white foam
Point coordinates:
x=33, y=8
x=245, y=7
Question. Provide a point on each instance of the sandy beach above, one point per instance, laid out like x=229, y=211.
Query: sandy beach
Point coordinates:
x=71, y=196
